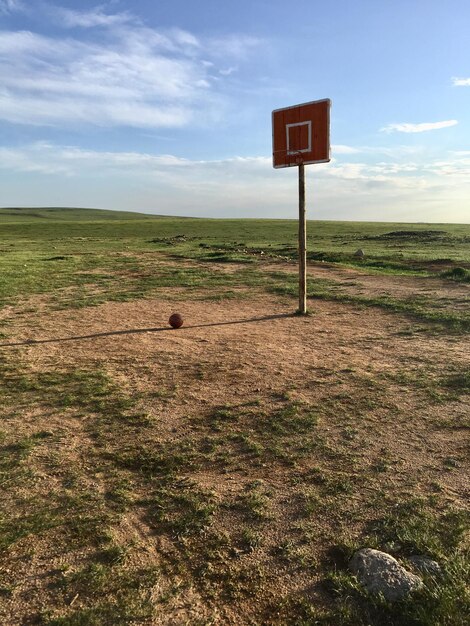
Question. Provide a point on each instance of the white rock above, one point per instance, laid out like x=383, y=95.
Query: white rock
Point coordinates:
x=379, y=572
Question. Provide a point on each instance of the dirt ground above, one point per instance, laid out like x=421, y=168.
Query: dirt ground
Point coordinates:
x=356, y=366
x=249, y=347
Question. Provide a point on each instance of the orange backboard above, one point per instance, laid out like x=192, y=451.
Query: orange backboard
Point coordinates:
x=301, y=134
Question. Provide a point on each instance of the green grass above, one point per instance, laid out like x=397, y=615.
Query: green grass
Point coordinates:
x=83, y=389
x=425, y=310
x=180, y=508
x=84, y=257
x=459, y=274
x=412, y=528
x=154, y=478
x=232, y=500
x=254, y=501
x=109, y=593
x=248, y=433
x=457, y=382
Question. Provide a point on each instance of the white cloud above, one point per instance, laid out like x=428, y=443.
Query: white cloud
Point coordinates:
x=426, y=190
x=341, y=149
x=132, y=76
x=49, y=158
x=228, y=71
x=461, y=82
x=88, y=19
x=233, y=46
x=10, y=6
x=417, y=128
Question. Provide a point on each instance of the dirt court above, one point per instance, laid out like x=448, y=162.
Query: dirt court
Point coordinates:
x=229, y=352
x=386, y=428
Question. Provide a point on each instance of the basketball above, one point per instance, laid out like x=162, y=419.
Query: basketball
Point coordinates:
x=175, y=321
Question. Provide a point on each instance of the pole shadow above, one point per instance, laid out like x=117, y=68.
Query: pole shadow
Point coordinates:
x=136, y=331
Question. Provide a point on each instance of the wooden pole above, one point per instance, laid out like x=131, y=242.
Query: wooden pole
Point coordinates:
x=302, y=243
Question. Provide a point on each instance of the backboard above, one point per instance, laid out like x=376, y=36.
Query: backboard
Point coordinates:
x=301, y=134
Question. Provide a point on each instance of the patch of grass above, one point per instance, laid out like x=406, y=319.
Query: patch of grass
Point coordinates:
x=13, y=454
x=410, y=527
x=459, y=274
x=85, y=518
x=107, y=595
x=12, y=529
x=84, y=390
x=423, y=310
x=181, y=508
x=457, y=382
x=439, y=603
x=251, y=539
x=221, y=415
x=160, y=459
x=254, y=501
x=251, y=433
x=248, y=444
x=415, y=529
x=439, y=387
x=309, y=501
x=120, y=495
x=294, y=418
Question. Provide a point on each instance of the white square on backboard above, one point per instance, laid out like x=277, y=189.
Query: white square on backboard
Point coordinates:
x=308, y=123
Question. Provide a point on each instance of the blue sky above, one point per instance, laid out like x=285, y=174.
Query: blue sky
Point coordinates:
x=165, y=106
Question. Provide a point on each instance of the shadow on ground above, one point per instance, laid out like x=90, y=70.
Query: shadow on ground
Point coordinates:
x=134, y=331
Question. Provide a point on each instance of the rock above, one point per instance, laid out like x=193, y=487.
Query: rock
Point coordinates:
x=425, y=565
x=359, y=253
x=379, y=572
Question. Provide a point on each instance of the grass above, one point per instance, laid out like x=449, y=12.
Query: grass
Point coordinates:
x=152, y=477
x=254, y=501
x=457, y=382
x=248, y=433
x=127, y=511
x=180, y=508
x=84, y=258
x=118, y=598
x=410, y=528
x=420, y=310
x=459, y=274
x=440, y=385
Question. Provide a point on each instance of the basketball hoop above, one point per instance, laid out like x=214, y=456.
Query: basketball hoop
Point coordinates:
x=301, y=135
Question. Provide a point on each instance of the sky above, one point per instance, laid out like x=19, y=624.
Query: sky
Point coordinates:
x=164, y=106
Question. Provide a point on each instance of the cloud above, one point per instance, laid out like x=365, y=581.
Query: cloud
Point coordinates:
x=461, y=82
x=228, y=71
x=426, y=190
x=132, y=76
x=417, y=128
x=341, y=149
x=47, y=157
x=10, y=6
x=236, y=46
x=89, y=19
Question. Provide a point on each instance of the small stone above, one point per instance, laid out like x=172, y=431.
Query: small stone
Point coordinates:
x=359, y=253
x=425, y=565
x=379, y=572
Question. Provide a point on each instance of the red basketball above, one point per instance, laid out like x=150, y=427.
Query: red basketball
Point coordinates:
x=176, y=321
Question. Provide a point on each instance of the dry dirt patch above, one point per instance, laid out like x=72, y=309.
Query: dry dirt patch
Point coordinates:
x=227, y=353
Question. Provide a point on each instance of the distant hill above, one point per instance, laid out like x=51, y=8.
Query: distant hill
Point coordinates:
x=20, y=214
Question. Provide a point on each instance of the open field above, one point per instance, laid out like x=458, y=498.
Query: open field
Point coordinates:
x=225, y=472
